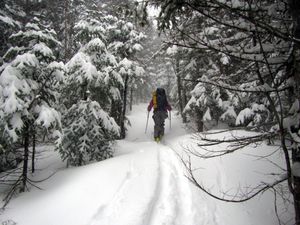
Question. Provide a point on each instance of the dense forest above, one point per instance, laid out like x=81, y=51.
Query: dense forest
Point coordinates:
x=70, y=71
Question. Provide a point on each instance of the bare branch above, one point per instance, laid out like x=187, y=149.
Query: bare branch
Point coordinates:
x=239, y=196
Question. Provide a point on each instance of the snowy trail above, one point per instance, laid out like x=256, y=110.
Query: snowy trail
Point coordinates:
x=144, y=184
x=167, y=201
x=174, y=202
x=124, y=207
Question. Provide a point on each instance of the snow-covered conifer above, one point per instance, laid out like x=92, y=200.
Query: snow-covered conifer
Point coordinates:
x=93, y=67
x=88, y=133
x=91, y=74
x=124, y=43
x=28, y=84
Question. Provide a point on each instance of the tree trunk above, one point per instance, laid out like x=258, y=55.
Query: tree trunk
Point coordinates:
x=296, y=152
x=115, y=111
x=122, y=119
x=131, y=98
x=25, y=156
x=295, y=13
x=33, y=151
x=294, y=95
x=84, y=90
x=66, y=41
x=179, y=87
x=199, y=120
x=184, y=102
x=297, y=199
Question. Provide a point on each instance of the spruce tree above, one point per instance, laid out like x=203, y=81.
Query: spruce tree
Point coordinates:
x=88, y=134
x=29, y=83
x=89, y=130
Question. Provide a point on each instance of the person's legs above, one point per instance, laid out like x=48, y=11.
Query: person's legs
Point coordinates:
x=159, y=124
x=156, y=124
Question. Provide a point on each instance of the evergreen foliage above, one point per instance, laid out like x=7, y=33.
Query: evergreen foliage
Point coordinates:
x=234, y=60
x=98, y=42
x=29, y=92
x=248, y=55
x=28, y=81
x=90, y=72
x=88, y=134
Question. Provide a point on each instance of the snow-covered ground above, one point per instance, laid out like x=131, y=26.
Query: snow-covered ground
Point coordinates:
x=144, y=184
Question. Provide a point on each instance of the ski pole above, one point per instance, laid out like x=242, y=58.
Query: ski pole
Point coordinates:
x=147, y=122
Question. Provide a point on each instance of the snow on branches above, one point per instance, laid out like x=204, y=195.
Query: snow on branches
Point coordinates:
x=88, y=134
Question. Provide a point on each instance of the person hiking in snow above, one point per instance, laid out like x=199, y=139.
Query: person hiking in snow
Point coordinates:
x=160, y=105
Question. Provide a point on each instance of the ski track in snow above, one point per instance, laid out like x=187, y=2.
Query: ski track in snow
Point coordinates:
x=173, y=205
x=169, y=201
